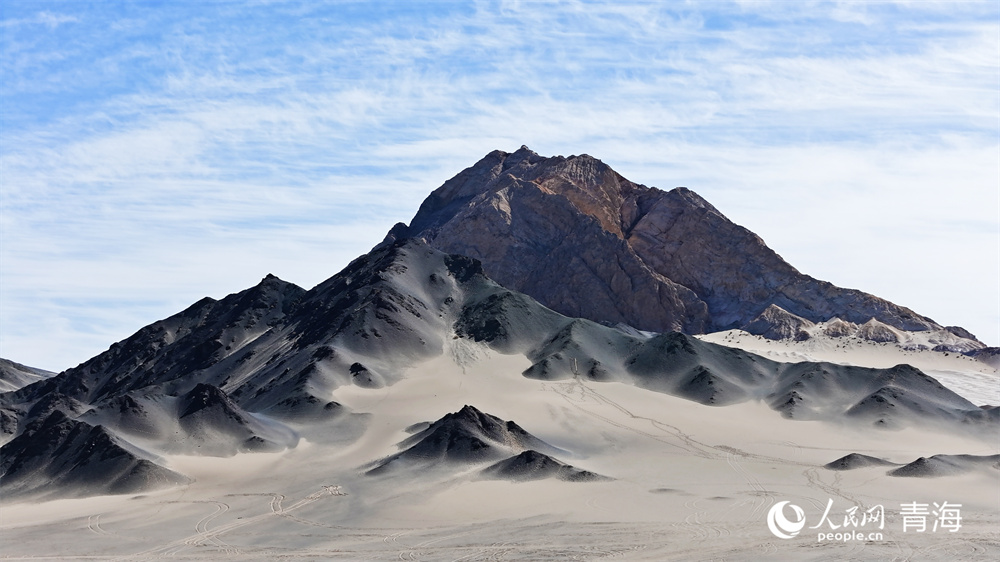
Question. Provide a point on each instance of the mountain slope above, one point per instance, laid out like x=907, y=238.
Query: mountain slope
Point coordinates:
x=15, y=375
x=276, y=348
x=470, y=436
x=586, y=242
x=532, y=465
x=57, y=455
x=857, y=460
x=260, y=368
x=948, y=465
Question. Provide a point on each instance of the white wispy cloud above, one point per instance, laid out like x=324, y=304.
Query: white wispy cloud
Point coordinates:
x=190, y=152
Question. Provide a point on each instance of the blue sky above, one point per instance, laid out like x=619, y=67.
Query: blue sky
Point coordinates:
x=152, y=153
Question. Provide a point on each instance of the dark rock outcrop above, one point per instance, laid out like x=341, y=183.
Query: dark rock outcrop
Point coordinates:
x=466, y=436
x=948, y=465
x=857, y=460
x=988, y=355
x=60, y=456
x=532, y=465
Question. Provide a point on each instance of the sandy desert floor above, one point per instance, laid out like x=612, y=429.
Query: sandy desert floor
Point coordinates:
x=690, y=482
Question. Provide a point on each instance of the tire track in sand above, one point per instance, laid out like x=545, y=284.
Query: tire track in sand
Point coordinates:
x=211, y=537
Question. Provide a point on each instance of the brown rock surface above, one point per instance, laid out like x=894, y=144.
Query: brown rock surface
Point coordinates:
x=876, y=331
x=586, y=242
x=775, y=323
x=837, y=328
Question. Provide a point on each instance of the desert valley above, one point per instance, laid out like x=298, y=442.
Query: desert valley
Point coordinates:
x=548, y=362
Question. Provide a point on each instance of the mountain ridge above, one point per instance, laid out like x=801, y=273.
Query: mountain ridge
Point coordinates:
x=269, y=366
x=656, y=260
x=262, y=368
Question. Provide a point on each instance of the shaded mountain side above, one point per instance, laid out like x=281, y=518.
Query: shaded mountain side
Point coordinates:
x=214, y=424
x=250, y=371
x=924, y=467
x=684, y=366
x=857, y=460
x=166, y=353
x=276, y=352
x=15, y=415
x=150, y=417
x=532, y=465
x=891, y=398
x=471, y=420
x=948, y=465
x=776, y=323
x=203, y=421
x=278, y=349
x=466, y=436
x=586, y=242
x=469, y=437
x=15, y=375
x=68, y=458
x=677, y=364
x=681, y=365
x=988, y=355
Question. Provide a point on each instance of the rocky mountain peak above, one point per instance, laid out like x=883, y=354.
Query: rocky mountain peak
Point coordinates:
x=592, y=186
x=587, y=242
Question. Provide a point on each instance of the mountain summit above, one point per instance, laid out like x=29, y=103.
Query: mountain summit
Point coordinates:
x=586, y=242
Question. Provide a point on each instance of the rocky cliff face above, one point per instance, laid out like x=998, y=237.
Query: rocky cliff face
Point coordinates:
x=586, y=242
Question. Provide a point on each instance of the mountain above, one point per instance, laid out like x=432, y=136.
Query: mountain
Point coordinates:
x=259, y=369
x=924, y=467
x=988, y=355
x=464, y=437
x=59, y=456
x=203, y=421
x=776, y=323
x=15, y=375
x=532, y=465
x=857, y=460
x=317, y=406
x=586, y=242
x=262, y=369
x=948, y=465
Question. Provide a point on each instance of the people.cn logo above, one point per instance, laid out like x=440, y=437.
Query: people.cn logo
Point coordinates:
x=780, y=525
